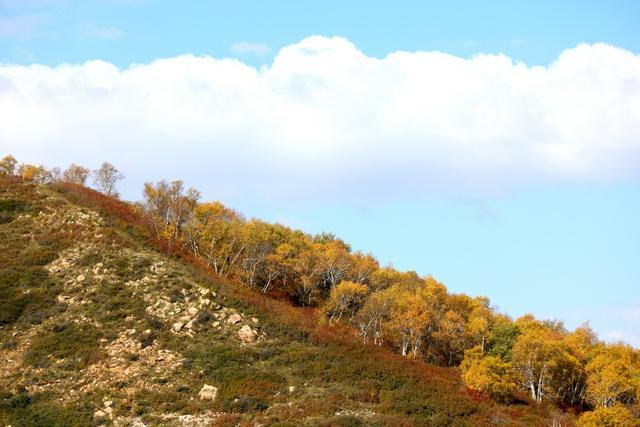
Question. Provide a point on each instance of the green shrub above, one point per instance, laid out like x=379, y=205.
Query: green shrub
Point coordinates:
x=10, y=209
x=39, y=410
x=76, y=344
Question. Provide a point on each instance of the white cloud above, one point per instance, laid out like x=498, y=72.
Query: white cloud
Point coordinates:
x=258, y=49
x=327, y=122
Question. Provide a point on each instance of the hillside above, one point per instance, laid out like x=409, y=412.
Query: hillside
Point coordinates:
x=99, y=324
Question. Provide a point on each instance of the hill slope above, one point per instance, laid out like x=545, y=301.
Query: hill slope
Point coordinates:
x=99, y=325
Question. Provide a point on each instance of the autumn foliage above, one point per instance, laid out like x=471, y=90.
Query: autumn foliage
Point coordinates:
x=348, y=297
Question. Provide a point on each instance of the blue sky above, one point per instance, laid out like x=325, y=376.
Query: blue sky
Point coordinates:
x=512, y=180
x=138, y=31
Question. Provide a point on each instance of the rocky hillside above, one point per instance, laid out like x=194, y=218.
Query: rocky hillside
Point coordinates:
x=100, y=325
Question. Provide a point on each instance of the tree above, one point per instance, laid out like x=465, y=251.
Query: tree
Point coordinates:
x=502, y=336
x=384, y=278
x=543, y=363
x=261, y=240
x=373, y=314
x=169, y=208
x=214, y=233
x=345, y=298
x=582, y=344
x=8, y=165
x=613, y=376
x=408, y=318
x=37, y=174
x=106, y=177
x=306, y=267
x=76, y=174
x=450, y=337
x=479, y=322
x=489, y=376
x=614, y=416
x=335, y=261
x=363, y=267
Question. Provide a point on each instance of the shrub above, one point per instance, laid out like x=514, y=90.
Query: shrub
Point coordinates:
x=76, y=344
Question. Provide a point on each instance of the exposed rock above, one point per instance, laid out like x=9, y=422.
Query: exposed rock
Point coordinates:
x=292, y=388
x=100, y=416
x=208, y=392
x=234, y=319
x=254, y=319
x=192, y=311
x=246, y=334
x=177, y=326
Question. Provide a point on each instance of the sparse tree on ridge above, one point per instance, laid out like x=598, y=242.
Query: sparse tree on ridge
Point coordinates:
x=106, y=177
x=8, y=165
x=76, y=174
x=34, y=173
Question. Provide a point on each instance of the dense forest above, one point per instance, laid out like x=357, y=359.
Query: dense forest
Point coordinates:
x=504, y=359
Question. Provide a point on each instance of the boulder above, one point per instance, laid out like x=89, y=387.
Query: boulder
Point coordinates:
x=208, y=392
x=177, y=326
x=100, y=417
x=246, y=334
x=234, y=319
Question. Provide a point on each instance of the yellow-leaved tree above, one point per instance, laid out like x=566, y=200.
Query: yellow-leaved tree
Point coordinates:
x=488, y=376
x=614, y=416
x=613, y=376
x=345, y=299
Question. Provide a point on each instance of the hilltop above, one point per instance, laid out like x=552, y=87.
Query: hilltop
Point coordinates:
x=98, y=324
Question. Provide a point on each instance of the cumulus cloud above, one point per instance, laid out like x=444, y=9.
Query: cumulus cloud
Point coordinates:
x=325, y=121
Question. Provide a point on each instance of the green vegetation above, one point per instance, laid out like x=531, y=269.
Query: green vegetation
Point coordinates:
x=75, y=345
x=29, y=410
x=105, y=301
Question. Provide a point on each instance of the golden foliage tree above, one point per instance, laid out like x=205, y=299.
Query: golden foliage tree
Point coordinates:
x=489, y=376
x=613, y=376
x=345, y=298
x=614, y=416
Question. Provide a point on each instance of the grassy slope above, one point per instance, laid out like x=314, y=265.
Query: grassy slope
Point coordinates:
x=87, y=301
